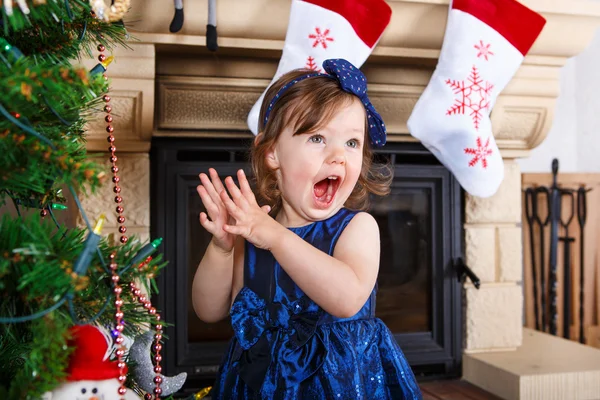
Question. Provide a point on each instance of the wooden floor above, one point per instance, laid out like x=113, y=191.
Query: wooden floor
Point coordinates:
x=454, y=390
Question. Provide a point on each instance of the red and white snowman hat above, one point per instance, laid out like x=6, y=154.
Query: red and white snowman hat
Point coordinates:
x=89, y=361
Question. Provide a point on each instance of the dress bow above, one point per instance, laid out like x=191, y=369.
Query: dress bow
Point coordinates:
x=265, y=331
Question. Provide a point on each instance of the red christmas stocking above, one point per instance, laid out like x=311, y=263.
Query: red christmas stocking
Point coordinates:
x=484, y=45
x=323, y=29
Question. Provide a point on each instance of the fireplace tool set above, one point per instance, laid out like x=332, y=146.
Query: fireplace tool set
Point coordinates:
x=549, y=209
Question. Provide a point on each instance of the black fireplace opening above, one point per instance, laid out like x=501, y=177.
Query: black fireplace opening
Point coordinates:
x=420, y=222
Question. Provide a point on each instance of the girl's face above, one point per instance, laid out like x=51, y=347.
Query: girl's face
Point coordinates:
x=316, y=172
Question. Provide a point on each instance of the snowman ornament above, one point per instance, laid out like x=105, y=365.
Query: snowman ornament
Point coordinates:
x=91, y=375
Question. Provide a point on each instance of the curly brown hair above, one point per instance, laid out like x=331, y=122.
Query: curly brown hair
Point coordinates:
x=307, y=106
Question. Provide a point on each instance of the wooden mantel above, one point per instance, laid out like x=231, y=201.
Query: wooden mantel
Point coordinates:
x=415, y=31
x=398, y=69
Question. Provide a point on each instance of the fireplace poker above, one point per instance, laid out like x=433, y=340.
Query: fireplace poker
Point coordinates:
x=554, y=217
x=542, y=224
x=567, y=262
x=530, y=213
x=581, y=217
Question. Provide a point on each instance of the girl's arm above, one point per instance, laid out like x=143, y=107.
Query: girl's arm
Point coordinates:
x=217, y=281
x=340, y=284
x=211, y=288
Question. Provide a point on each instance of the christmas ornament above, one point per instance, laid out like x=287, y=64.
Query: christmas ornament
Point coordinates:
x=113, y=13
x=8, y=7
x=144, y=370
x=90, y=374
x=484, y=45
x=327, y=29
x=202, y=393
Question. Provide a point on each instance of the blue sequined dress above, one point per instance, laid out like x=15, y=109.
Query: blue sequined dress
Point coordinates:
x=286, y=347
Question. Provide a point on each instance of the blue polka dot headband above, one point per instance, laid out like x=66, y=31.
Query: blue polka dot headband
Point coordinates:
x=352, y=80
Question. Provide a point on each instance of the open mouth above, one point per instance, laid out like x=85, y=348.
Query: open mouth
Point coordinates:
x=325, y=190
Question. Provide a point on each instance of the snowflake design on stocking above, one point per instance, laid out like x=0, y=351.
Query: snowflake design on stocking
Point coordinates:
x=483, y=50
x=320, y=38
x=311, y=64
x=473, y=94
x=480, y=153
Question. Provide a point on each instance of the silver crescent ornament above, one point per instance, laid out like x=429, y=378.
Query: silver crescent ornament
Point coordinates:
x=144, y=369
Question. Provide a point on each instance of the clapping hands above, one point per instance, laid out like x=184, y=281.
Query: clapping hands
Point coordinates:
x=234, y=213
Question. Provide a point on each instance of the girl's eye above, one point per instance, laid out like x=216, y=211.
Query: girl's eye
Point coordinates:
x=316, y=139
x=353, y=143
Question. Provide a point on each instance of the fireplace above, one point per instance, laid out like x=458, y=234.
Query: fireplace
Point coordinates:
x=419, y=295
x=170, y=85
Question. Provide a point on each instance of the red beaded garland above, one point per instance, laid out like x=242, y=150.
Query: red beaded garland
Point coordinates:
x=119, y=325
x=157, y=346
x=117, y=290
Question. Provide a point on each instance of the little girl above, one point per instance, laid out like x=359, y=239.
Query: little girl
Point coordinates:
x=298, y=277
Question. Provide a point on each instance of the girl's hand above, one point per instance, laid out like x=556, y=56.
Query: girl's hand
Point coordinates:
x=217, y=212
x=251, y=221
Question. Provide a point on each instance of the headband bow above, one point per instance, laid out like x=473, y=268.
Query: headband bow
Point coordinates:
x=351, y=80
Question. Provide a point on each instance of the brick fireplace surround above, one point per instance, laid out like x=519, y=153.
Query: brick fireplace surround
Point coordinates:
x=170, y=85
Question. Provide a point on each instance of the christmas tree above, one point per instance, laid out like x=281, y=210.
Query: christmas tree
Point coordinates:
x=54, y=277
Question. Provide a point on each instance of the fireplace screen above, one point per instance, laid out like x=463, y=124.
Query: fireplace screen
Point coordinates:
x=418, y=294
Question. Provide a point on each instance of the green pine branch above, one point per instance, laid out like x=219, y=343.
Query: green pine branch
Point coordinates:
x=36, y=271
x=35, y=360
x=54, y=101
x=67, y=41
x=59, y=31
x=33, y=170
x=45, y=103
x=40, y=13
x=48, y=93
